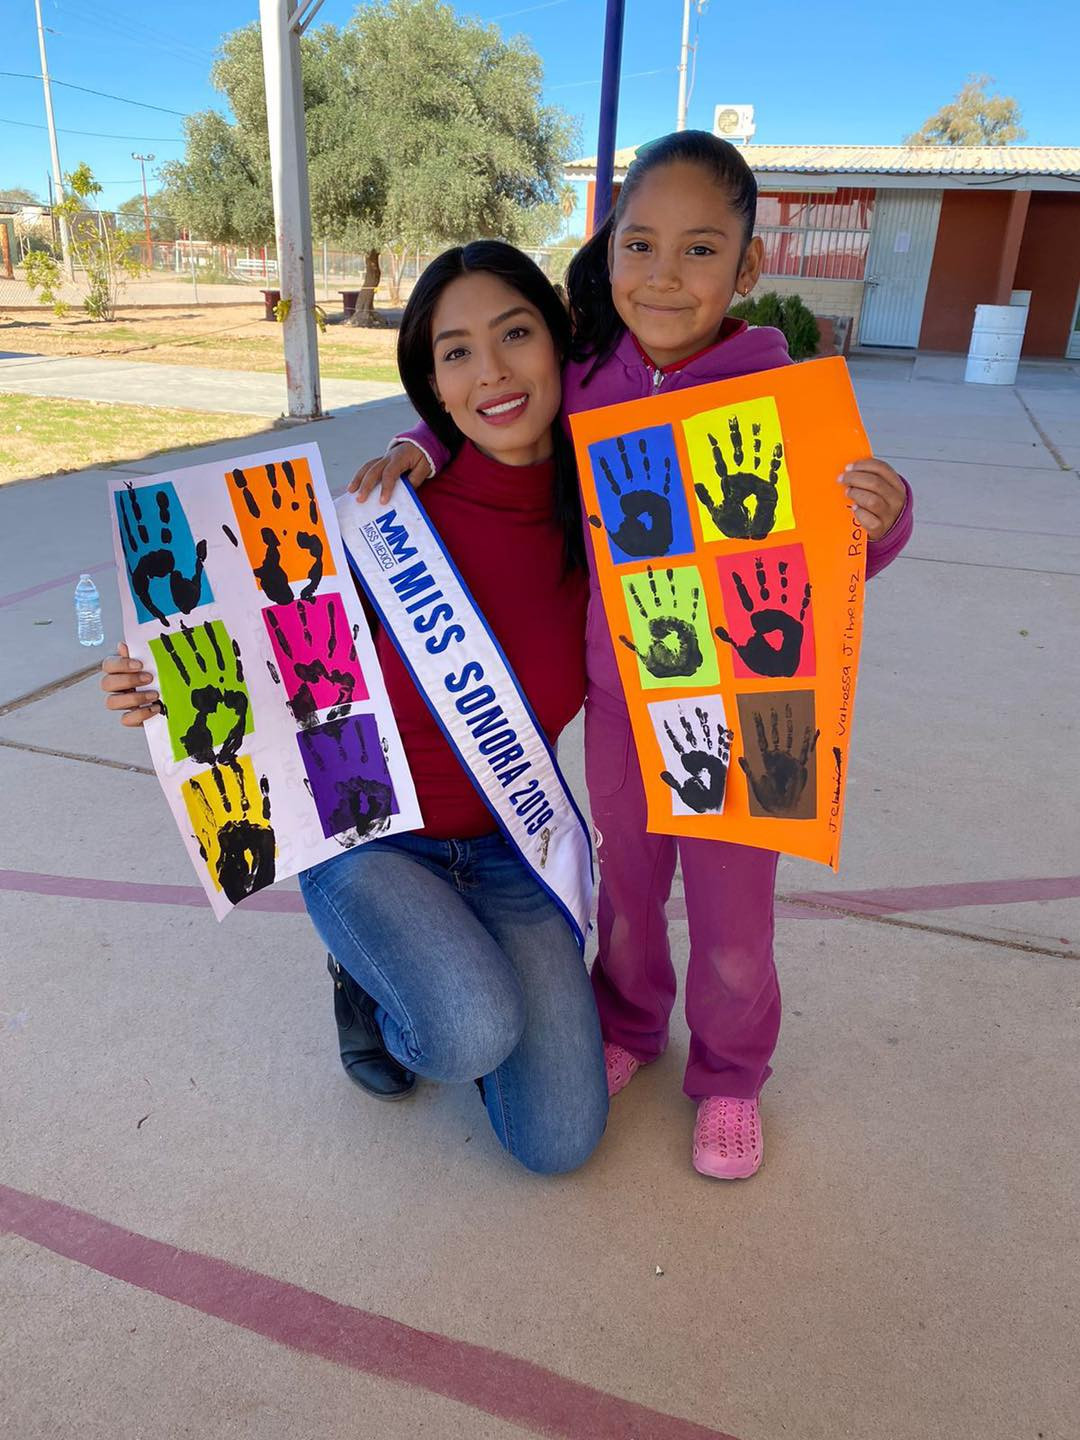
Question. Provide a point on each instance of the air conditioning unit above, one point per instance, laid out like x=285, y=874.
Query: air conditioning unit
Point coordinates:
x=734, y=123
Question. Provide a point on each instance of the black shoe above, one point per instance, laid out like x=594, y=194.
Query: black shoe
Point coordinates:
x=363, y=1054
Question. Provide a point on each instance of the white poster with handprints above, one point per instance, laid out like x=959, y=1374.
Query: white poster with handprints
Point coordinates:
x=277, y=748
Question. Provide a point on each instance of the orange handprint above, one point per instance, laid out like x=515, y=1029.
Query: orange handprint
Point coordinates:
x=281, y=528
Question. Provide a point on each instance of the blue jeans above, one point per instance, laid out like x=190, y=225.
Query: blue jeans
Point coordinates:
x=475, y=973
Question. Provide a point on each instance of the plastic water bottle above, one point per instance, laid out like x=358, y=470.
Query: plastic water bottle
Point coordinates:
x=88, y=612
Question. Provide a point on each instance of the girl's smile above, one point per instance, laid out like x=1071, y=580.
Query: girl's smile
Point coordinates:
x=676, y=258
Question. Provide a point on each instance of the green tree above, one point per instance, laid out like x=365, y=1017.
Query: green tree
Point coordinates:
x=19, y=195
x=104, y=254
x=423, y=129
x=163, y=226
x=973, y=117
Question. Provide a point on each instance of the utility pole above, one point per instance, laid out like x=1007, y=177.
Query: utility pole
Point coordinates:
x=609, y=112
x=142, y=159
x=684, y=56
x=58, y=179
x=282, y=23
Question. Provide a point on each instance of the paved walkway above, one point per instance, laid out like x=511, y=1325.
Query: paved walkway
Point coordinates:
x=206, y=1231
x=187, y=387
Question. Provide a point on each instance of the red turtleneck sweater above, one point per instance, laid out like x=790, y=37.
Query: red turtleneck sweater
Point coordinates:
x=498, y=523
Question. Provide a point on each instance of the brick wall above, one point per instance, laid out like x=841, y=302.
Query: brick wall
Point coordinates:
x=823, y=297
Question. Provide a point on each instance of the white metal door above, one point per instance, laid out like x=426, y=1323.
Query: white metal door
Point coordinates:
x=898, y=266
x=1072, y=349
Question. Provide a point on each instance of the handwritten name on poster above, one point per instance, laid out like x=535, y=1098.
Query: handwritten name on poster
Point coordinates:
x=277, y=747
x=732, y=574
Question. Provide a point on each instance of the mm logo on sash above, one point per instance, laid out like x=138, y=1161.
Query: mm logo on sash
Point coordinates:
x=460, y=669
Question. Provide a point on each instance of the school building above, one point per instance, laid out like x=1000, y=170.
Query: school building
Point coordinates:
x=898, y=244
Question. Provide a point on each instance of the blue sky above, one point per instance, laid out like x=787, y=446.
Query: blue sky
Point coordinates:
x=844, y=72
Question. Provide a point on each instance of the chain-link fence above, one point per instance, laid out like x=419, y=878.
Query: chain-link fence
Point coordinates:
x=188, y=271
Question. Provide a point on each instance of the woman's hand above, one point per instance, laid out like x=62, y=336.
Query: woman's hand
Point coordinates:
x=404, y=458
x=121, y=677
x=876, y=495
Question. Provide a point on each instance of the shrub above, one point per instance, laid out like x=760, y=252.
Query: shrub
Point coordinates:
x=788, y=313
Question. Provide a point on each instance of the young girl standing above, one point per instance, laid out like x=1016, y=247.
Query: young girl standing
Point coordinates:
x=649, y=296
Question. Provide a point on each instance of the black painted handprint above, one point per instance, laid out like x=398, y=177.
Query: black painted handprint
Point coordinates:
x=281, y=526
x=760, y=653
x=778, y=786
x=231, y=815
x=317, y=655
x=647, y=527
x=348, y=776
x=706, y=765
x=732, y=515
x=674, y=646
x=205, y=700
x=160, y=552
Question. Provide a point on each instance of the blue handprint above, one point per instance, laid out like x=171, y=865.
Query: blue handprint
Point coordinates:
x=642, y=503
x=164, y=561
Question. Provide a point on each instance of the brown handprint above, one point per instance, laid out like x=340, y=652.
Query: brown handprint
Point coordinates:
x=781, y=780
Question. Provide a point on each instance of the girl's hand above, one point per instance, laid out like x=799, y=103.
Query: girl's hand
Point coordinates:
x=120, y=678
x=405, y=458
x=876, y=494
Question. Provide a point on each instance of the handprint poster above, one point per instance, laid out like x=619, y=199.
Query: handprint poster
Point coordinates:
x=276, y=747
x=732, y=574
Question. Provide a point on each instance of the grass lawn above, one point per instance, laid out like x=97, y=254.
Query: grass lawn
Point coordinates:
x=44, y=436
x=233, y=337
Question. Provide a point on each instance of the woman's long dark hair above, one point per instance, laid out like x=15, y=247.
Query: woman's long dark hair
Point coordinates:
x=597, y=326
x=416, y=359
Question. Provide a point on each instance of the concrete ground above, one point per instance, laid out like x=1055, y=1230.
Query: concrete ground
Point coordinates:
x=208, y=1232
x=193, y=387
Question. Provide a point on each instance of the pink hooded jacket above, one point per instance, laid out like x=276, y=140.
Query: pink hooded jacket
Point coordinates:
x=628, y=375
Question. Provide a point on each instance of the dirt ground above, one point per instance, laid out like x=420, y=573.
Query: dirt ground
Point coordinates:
x=236, y=337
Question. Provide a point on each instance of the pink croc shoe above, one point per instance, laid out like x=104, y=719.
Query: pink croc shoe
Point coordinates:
x=727, y=1138
x=621, y=1067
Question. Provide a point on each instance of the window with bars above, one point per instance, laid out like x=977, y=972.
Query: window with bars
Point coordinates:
x=825, y=237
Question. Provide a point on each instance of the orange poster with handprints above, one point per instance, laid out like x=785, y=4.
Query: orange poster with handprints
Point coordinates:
x=732, y=573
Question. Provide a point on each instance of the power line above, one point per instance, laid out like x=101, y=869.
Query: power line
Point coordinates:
x=528, y=10
x=95, y=134
x=134, y=31
x=105, y=95
x=634, y=75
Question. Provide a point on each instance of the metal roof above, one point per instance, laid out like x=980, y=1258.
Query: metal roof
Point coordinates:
x=1049, y=160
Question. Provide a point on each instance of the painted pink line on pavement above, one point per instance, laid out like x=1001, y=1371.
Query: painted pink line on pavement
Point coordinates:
x=487, y=1380
x=32, y=590
x=805, y=905
x=76, y=887
x=956, y=896
x=279, y=902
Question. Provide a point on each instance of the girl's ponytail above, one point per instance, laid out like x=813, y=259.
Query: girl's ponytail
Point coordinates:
x=597, y=327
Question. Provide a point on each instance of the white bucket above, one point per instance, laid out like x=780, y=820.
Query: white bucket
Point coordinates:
x=996, y=339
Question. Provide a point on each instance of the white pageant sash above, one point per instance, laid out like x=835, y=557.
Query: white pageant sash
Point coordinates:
x=460, y=669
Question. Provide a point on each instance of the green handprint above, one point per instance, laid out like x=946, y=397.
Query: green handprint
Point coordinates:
x=669, y=622
x=204, y=698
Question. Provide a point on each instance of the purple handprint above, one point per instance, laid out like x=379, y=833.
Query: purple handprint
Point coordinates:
x=349, y=778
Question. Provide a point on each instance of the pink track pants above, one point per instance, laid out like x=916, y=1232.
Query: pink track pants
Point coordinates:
x=732, y=991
